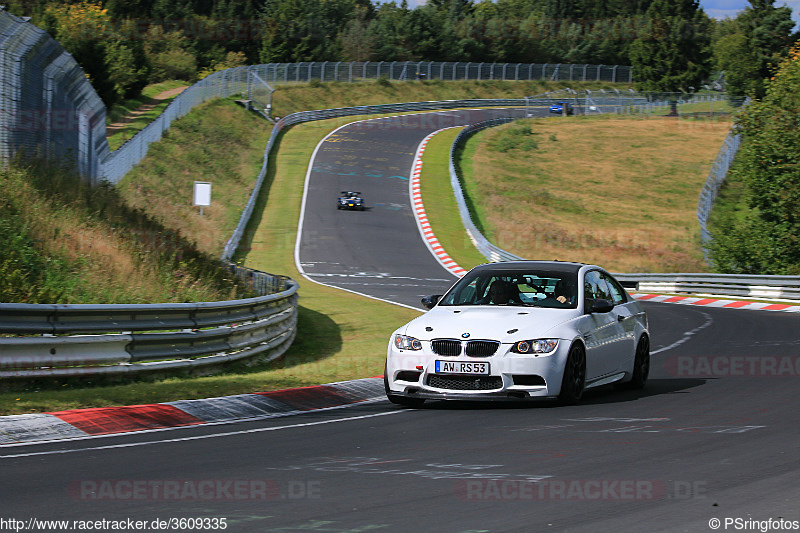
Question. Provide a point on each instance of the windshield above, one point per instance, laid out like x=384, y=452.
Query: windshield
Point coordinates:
x=535, y=288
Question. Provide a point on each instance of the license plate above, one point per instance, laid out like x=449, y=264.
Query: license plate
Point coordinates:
x=461, y=367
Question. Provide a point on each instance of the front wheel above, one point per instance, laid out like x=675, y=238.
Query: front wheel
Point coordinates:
x=641, y=365
x=574, y=376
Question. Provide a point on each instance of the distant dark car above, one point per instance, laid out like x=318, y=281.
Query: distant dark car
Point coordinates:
x=350, y=200
x=558, y=108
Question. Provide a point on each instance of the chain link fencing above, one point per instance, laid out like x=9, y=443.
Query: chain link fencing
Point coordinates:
x=350, y=72
x=47, y=106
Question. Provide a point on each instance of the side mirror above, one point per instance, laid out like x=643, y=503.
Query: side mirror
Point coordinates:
x=429, y=301
x=602, y=306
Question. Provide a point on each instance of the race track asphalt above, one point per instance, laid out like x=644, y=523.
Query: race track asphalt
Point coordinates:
x=691, y=447
x=377, y=252
x=714, y=435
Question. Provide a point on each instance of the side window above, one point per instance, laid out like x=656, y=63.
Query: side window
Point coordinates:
x=595, y=286
x=618, y=294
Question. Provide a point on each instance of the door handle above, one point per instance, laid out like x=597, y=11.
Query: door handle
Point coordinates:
x=620, y=318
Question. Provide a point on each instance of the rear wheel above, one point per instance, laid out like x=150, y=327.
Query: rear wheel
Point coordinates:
x=574, y=376
x=641, y=366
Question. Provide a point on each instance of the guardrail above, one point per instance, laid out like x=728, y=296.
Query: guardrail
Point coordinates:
x=94, y=340
x=746, y=286
x=493, y=253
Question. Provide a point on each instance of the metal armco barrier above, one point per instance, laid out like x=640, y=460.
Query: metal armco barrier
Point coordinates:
x=90, y=340
x=747, y=286
x=493, y=253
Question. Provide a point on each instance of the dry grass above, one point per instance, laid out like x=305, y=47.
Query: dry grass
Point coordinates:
x=621, y=192
x=219, y=143
x=91, y=255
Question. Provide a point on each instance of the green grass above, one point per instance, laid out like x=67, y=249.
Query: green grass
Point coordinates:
x=218, y=142
x=129, y=106
x=66, y=242
x=340, y=335
x=440, y=203
x=581, y=193
x=732, y=203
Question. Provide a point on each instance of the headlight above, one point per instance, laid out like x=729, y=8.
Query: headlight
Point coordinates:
x=535, y=346
x=404, y=342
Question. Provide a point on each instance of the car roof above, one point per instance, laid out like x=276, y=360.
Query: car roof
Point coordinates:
x=554, y=266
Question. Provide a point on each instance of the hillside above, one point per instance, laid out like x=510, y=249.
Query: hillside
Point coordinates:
x=142, y=242
x=617, y=191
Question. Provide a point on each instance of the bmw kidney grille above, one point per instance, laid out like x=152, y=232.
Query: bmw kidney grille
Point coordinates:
x=452, y=347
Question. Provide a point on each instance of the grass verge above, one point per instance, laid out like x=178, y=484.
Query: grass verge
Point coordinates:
x=440, y=203
x=124, y=120
x=620, y=191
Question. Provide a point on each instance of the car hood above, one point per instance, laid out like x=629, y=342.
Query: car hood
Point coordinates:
x=496, y=323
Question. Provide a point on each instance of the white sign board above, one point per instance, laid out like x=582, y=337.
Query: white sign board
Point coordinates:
x=202, y=193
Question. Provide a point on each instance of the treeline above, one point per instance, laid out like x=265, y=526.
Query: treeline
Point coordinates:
x=762, y=235
x=672, y=44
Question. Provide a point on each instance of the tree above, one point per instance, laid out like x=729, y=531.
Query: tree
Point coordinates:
x=766, y=239
x=116, y=68
x=356, y=42
x=763, y=34
x=672, y=54
x=170, y=54
x=733, y=55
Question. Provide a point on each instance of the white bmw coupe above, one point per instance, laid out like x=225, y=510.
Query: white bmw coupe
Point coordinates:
x=520, y=330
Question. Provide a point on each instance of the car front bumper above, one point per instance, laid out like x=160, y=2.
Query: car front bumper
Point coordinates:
x=512, y=376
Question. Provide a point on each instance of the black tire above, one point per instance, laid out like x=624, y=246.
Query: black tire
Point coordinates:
x=641, y=364
x=574, y=380
x=413, y=403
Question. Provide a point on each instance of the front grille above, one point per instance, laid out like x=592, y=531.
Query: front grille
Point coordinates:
x=465, y=382
x=452, y=347
x=446, y=347
x=482, y=348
